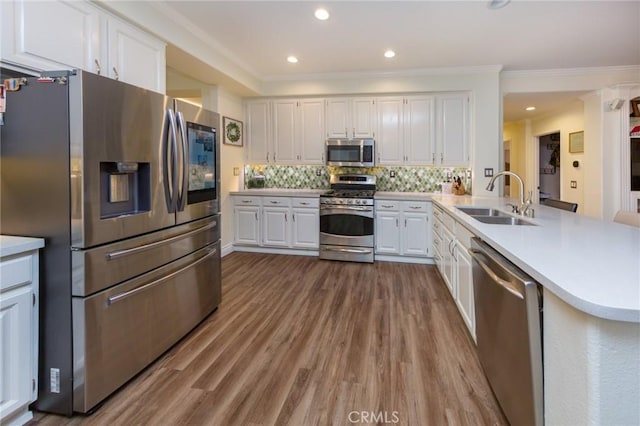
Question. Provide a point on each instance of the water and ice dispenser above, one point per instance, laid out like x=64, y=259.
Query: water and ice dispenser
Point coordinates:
x=125, y=188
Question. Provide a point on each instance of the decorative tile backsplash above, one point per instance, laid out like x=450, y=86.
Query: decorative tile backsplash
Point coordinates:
x=406, y=179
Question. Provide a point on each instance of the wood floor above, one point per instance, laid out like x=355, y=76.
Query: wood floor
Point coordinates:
x=302, y=341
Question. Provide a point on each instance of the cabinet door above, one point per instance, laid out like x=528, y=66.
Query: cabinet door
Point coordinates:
x=387, y=232
x=312, y=125
x=448, y=265
x=306, y=228
x=136, y=57
x=362, y=118
x=246, y=225
x=453, y=130
x=419, y=132
x=275, y=230
x=337, y=117
x=258, y=131
x=284, y=131
x=51, y=35
x=464, y=297
x=390, y=133
x=16, y=350
x=416, y=228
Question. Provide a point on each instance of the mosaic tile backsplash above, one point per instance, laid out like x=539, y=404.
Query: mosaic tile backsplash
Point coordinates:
x=407, y=179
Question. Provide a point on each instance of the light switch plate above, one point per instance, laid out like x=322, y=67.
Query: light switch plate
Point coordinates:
x=236, y=171
x=488, y=172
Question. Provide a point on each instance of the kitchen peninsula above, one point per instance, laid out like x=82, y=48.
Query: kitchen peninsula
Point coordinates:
x=590, y=275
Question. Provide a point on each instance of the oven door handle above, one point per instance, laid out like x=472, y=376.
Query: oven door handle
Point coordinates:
x=348, y=250
x=352, y=208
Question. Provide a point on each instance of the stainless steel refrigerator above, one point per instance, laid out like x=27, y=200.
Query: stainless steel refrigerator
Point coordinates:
x=123, y=184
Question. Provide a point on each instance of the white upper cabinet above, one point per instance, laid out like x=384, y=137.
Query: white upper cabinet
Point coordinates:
x=452, y=134
x=390, y=140
x=258, y=132
x=52, y=35
x=419, y=130
x=136, y=57
x=351, y=117
x=57, y=35
x=405, y=130
x=298, y=131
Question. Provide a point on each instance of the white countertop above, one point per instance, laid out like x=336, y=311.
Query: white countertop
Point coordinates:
x=591, y=264
x=10, y=245
x=280, y=192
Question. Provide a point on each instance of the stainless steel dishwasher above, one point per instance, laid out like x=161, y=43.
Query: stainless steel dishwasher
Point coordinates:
x=508, y=306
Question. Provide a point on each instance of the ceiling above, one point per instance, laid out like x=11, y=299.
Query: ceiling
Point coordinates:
x=524, y=35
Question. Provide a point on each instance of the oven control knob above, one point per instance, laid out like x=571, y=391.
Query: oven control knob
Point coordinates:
x=358, y=201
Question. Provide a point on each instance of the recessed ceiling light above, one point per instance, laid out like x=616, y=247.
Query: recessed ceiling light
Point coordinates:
x=321, y=14
x=292, y=59
x=531, y=108
x=497, y=4
x=389, y=54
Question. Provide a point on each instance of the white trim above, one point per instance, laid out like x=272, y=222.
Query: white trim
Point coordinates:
x=227, y=249
x=385, y=74
x=405, y=259
x=273, y=250
x=563, y=72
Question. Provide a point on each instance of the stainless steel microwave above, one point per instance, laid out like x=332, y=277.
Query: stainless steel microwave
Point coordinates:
x=350, y=152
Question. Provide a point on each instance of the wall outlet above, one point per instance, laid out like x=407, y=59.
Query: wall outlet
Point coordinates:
x=236, y=171
x=318, y=171
x=574, y=184
x=488, y=172
x=392, y=173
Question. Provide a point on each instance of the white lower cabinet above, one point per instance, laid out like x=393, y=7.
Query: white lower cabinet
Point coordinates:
x=279, y=222
x=402, y=228
x=451, y=242
x=18, y=335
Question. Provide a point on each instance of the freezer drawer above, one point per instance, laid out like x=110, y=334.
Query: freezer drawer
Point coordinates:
x=102, y=267
x=118, y=332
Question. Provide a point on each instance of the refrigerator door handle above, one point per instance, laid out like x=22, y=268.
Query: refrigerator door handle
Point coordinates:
x=134, y=250
x=170, y=157
x=182, y=196
x=120, y=296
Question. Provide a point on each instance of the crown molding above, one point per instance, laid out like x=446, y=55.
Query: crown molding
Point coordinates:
x=419, y=72
x=568, y=72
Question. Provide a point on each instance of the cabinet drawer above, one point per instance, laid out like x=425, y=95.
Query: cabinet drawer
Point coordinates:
x=448, y=222
x=387, y=205
x=463, y=235
x=246, y=201
x=437, y=227
x=415, y=206
x=15, y=271
x=437, y=213
x=276, y=202
x=305, y=202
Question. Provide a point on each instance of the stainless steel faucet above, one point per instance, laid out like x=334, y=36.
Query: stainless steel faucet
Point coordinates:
x=523, y=209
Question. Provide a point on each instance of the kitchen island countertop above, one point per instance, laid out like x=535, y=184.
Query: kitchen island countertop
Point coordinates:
x=591, y=264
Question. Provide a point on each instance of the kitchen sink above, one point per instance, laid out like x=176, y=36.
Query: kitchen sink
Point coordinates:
x=502, y=220
x=493, y=216
x=482, y=211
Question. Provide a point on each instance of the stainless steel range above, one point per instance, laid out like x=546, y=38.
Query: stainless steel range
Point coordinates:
x=347, y=218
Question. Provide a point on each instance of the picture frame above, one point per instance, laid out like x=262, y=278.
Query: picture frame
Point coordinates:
x=576, y=142
x=233, y=132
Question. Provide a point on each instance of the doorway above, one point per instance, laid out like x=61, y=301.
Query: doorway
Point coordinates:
x=507, y=167
x=549, y=157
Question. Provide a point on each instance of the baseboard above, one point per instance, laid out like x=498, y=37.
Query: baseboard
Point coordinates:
x=404, y=259
x=227, y=249
x=275, y=250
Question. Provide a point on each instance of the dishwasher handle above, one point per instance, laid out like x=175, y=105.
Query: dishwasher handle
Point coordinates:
x=477, y=255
